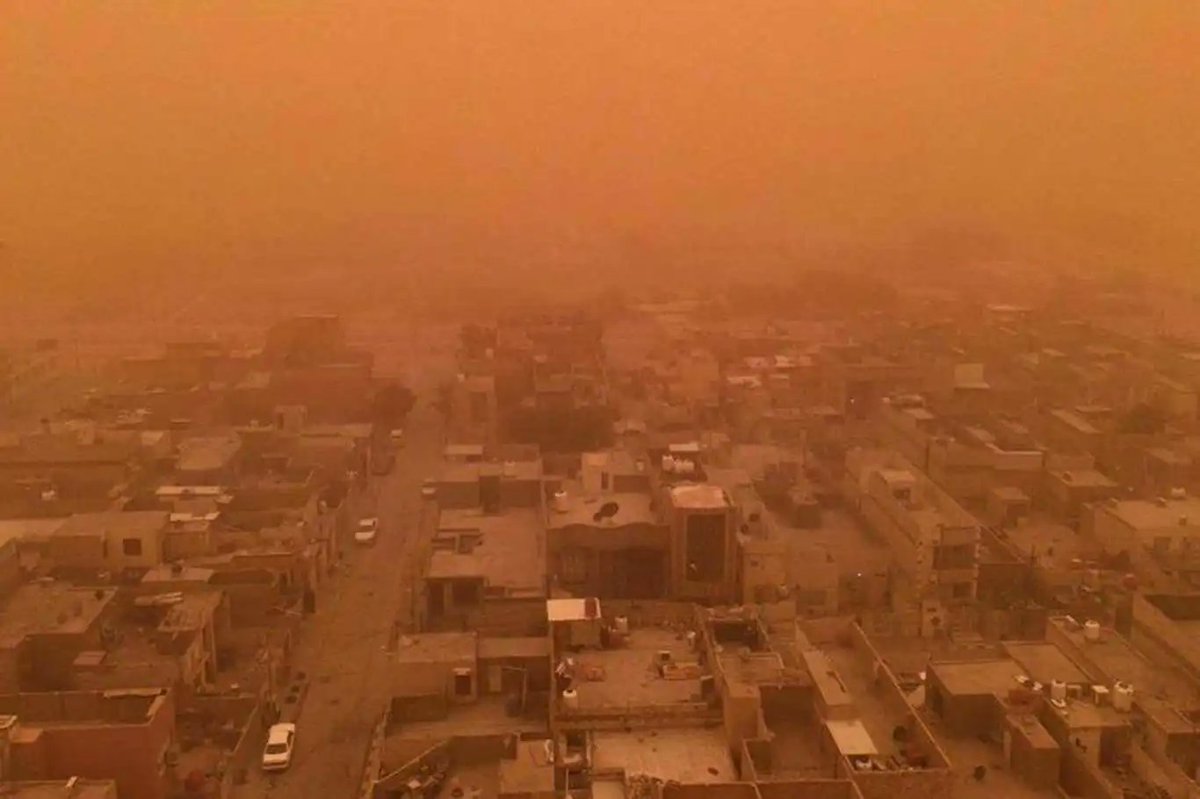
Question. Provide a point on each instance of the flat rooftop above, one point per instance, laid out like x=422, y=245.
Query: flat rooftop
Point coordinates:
x=103, y=523
x=1045, y=662
x=1052, y=544
x=191, y=612
x=977, y=678
x=132, y=706
x=854, y=547
x=1117, y=657
x=1143, y=515
x=207, y=453
x=457, y=472
x=632, y=508
x=29, y=529
x=436, y=648
x=698, y=496
x=671, y=755
x=628, y=677
x=51, y=608
x=506, y=550
x=1089, y=478
x=966, y=752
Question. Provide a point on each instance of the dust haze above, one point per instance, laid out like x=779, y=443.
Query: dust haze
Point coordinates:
x=553, y=142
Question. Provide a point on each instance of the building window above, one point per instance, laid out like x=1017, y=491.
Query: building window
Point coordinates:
x=573, y=566
x=705, y=548
x=462, y=682
x=131, y=546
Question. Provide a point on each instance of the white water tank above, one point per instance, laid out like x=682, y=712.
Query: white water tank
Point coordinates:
x=1058, y=690
x=1091, y=630
x=1122, y=697
x=559, y=503
x=570, y=699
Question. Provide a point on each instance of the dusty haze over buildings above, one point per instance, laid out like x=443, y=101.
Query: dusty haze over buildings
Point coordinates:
x=150, y=137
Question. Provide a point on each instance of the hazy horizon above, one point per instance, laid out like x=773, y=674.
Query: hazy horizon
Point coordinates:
x=572, y=138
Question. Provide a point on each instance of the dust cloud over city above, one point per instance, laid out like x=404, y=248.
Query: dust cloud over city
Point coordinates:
x=599, y=400
x=236, y=136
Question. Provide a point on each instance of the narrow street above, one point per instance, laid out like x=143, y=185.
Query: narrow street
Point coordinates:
x=343, y=647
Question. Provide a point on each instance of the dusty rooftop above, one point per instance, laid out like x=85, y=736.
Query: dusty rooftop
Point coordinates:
x=507, y=549
x=29, y=529
x=693, y=496
x=207, y=453
x=979, y=677
x=632, y=508
x=51, y=608
x=1045, y=662
x=1144, y=515
x=130, y=523
x=612, y=678
x=672, y=755
x=436, y=648
x=1088, y=478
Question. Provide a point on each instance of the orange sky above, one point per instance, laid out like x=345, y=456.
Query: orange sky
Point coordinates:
x=161, y=134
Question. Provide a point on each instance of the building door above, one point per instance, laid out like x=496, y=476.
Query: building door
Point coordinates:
x=495, y=679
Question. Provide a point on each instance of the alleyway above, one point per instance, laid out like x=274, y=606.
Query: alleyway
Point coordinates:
x=343, y=647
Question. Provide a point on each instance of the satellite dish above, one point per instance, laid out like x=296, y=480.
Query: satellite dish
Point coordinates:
x=606, y=511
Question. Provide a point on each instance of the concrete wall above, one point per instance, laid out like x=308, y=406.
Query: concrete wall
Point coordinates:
x=509, y=618
x=919, y=784
x=129, y=753
x=808, y=789
x=896, y=701
x=1081, y=778
x=725, y=790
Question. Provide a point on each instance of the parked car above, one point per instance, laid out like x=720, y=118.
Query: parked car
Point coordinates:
x=281, y=742
x=368, y=530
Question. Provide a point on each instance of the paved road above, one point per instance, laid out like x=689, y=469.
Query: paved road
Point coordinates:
x=343, y=647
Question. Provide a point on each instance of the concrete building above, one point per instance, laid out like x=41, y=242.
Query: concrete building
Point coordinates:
x=110, y=541
x=486, y=572
x=208, y=460
x=622, y=552
x=1065, y=492
x=169, y=640
x=44, y=626
x=933, y=539
x=122, y=736
x=704, y=555
x=1168, y=529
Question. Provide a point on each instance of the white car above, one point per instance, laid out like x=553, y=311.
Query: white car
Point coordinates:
x=281, y=742
x=367, y=530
